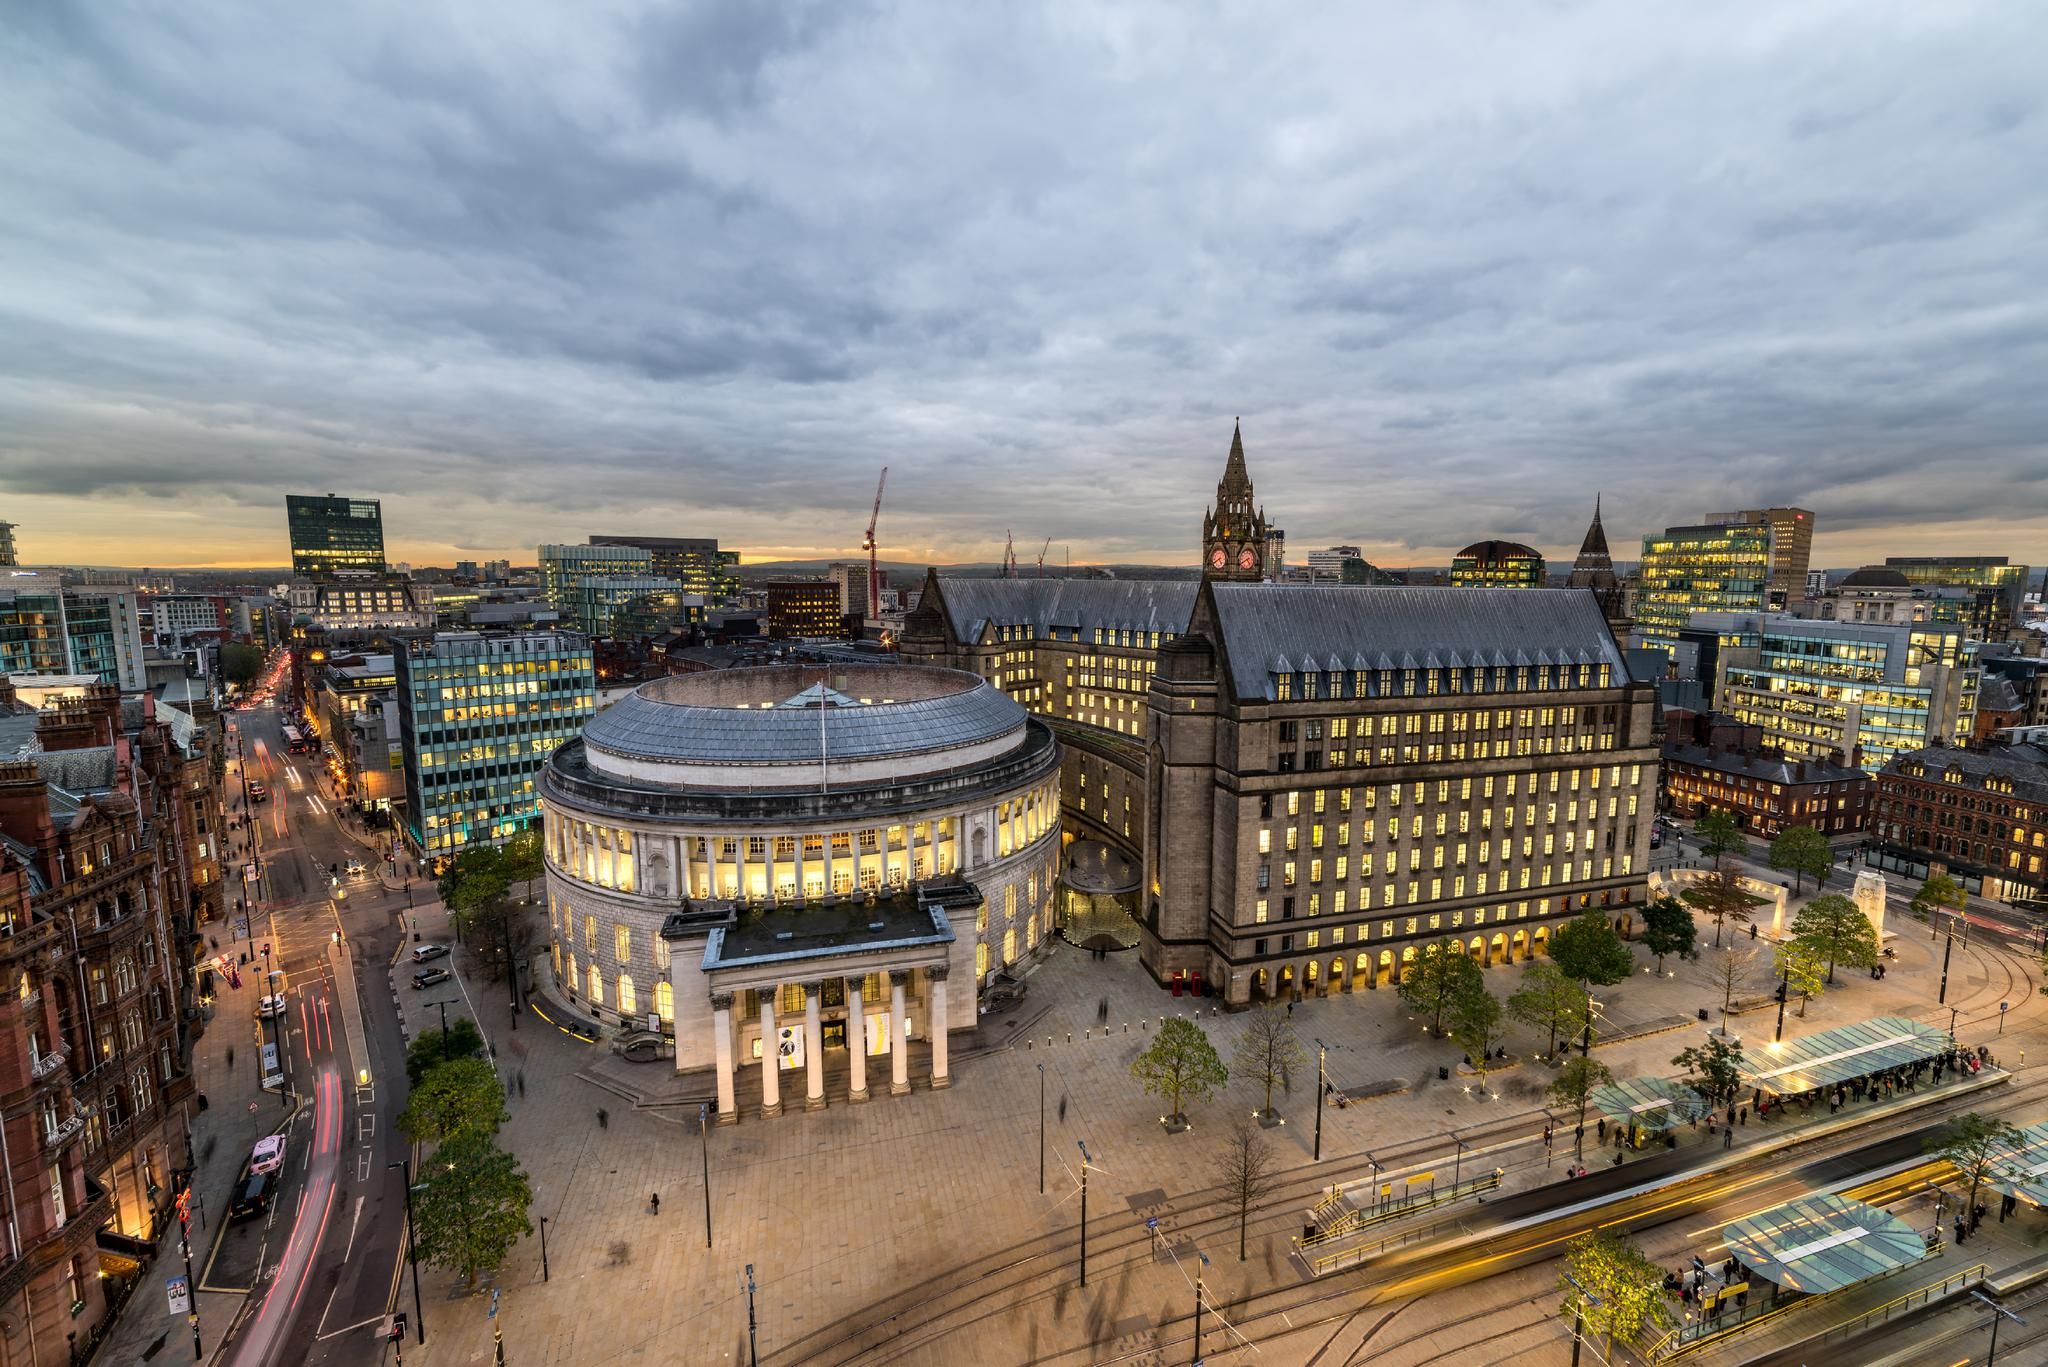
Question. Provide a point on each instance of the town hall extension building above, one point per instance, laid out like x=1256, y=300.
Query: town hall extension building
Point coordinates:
x=1315, y=782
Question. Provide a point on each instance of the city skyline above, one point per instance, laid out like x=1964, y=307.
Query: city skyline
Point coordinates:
x=1453, y=292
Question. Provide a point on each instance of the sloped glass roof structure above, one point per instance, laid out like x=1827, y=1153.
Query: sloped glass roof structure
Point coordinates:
x=1650, y=1103
x=1843, y=1055
x=1824, y=1243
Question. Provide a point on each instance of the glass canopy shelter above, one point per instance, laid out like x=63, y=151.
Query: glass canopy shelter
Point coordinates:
x=1833, y=1057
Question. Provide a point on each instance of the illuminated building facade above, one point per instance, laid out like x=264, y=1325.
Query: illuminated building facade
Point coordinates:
x=480, y=714
x=1979, y=815
x=786, y=867
x=695, y=562
x=1498, y=564
x=1791, y=550
x=333, y=536
x=1712, y=568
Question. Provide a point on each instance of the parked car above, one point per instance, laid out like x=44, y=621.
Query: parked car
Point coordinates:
x=427, y=977
x=267, y=1007
x=268, y=1155
x=422, y=953
x=644, y=1046
x=254, y=1197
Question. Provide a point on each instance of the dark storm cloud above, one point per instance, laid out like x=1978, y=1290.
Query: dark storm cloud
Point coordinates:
x=528, y=271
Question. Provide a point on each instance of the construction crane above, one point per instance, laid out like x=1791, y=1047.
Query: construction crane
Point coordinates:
x=874, y=567
x=1009, y=555
x=1041, y=556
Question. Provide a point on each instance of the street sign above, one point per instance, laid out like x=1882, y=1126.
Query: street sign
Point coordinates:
x=178, y=1292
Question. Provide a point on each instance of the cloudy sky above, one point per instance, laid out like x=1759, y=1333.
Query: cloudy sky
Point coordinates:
x=529, y=270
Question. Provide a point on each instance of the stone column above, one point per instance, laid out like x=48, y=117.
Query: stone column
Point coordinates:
x=771, y=1084
x=899, y=1047
x=857, y=1039
x=721, y=1025
x=814, y=1049
x=935, y=1010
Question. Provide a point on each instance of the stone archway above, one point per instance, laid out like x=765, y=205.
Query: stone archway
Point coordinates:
x=1497, y=951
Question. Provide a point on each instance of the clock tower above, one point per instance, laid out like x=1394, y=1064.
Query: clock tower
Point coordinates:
x=1234, y=531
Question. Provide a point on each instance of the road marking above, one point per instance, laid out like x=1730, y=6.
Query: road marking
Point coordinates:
x=351, y=1328
x=355, y=1220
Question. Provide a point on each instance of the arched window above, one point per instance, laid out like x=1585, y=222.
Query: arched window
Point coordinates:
x=665, y=1003
x=594, y=984
x=629, y=1000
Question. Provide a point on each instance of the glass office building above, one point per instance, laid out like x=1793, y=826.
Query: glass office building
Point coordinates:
x=479, y=716
x=1720, y=568
x=1997, y=588
x=334, y=536
x=46, y=628
x=695, y=562
x=1868, y=690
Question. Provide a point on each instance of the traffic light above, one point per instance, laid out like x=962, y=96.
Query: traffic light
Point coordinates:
x=398, y=1326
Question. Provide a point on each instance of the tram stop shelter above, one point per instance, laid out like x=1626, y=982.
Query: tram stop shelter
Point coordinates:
x=1833, y=1058
x=2021, y=1170
x=1652, y=1104
x=1819, y=1244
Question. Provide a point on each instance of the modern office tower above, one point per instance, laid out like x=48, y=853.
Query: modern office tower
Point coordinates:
x=1497, y=564
x=480, y=714
x=8, y=555
x=562, y=565
x=695, y=562
x=1868, y=690
x=624, y=606
x=1716, y=567
x=1999, y=588
x=1791, y=549
x=362, y=603
x=851, y=579
x=1327, y=566
x=47, y=628
x=335, y=536
x=799, y=608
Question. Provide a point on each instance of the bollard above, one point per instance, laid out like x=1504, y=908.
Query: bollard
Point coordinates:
x=1027, y=1045
x=1127, y=1030
x=1070, y=1037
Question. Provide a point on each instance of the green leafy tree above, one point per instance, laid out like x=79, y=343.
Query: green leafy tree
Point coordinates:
x=470, y=1207
x=1802, y=972
x=1973, y=1145
x=1475, y=1026
x=1837, y=931
x=1574, y=1087
x=1668, y=929
x=1720, y=895
x=1436, y=978
x=1623, y=1296
x=1267, y=1050
x=1549, y=1000
x=1800, y=851
x=432, y=1049
x=1245, y=1170
x=1719, y=836
x=1938, y=893
x=454, y=1099
x=1713, y=1069
x=1180, y=1065
x=1587, y=948
x=523, y=860
x=240, y=663
x=478, y=876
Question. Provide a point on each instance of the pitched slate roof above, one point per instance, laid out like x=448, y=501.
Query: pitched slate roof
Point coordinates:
x=91, y=770
x=1765, y=768
x=1272, y=628
x=1162, y=605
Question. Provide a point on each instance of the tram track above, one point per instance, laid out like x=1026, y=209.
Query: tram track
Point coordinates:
x=1014, y=1280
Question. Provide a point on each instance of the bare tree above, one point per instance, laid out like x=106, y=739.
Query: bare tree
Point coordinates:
x=1732, y=971
x=1267, y=1050
x=1245, y=1172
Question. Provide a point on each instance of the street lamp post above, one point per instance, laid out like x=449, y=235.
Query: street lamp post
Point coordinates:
x=412, y=1253
x=1941, y=998
x=1084, y=1210
x=1041, y=1129
x=1322, y=1087
x=1998, y=1312
x=704, y=1144
x=543, y=1248
x=446, y=1044
x=1953, y=1011
x=1784, y=991
x=1579, y=1315
x=1200, y=1291
x=753, y=1357
x=1457, y=1164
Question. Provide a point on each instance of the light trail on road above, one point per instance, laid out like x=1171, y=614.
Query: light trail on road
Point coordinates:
x=261, y=1344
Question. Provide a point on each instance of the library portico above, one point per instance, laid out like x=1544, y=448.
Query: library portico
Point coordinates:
x=785, y=868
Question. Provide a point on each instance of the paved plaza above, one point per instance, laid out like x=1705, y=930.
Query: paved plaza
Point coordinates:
x=842, y=1209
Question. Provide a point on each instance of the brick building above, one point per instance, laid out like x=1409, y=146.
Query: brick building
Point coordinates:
x=1764, y=791
x=1979, y=815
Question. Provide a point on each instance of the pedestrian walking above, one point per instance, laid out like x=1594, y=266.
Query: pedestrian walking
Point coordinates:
x=654, y=1204
x=604, y=1119
x=1603, y=1130
x=1546, y=1139
x=522, y=1084
x=1063, y=1107
x=1744, y=1115
x=1727, y=1139
x=231, y=1056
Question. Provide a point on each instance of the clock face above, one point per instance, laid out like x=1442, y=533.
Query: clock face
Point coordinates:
x=1216, y=557
x=1245, y=558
